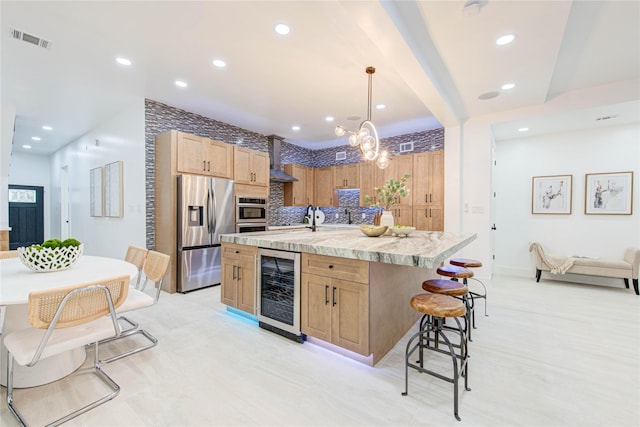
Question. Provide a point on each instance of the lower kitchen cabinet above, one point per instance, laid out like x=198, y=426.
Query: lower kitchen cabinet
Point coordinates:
x=238, y=287
x=332, y=309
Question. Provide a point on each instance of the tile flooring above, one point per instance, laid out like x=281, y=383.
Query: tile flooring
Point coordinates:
x=549, y=354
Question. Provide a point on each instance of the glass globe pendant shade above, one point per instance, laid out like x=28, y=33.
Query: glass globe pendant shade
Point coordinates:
x=370, y=155
x=353, y=140
x=363, y=132
x=340, y=131
x=383, y=160
x=368, y=143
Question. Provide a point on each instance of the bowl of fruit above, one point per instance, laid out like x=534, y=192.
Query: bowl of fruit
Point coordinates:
x=373, y=230
x=401, y=230
x=51, y=255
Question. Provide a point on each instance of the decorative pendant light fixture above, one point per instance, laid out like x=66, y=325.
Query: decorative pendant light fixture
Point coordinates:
x=366, y=137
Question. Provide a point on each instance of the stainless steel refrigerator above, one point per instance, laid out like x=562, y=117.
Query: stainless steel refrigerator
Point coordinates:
x=205, y=211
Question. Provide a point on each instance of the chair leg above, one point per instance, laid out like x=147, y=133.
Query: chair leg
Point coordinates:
x=538, y=274
x=635, y=286
x=153, y=341
x=115, y=390
x=626, y=283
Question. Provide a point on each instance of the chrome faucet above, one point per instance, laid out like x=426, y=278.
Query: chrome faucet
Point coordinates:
x=313, y=215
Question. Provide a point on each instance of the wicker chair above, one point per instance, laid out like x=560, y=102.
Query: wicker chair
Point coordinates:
x=137, y=257
x=155, y=268
x=63, y=319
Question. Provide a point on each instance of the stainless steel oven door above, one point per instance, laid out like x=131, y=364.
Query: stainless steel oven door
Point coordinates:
x=248, y=227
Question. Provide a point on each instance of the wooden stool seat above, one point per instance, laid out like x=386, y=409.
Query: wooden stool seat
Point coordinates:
x=466, y=262
x=454, y=272
x=445, y=287
x=438, y=305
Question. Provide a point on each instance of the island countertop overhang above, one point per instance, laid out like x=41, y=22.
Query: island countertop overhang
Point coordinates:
x=426, y=249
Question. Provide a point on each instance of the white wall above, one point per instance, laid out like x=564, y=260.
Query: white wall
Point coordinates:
x=30, y=169
x=121, y=138
x=610, y=149
x=7, y=120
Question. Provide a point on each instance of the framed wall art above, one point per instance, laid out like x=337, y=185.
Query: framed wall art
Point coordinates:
x=96, y=193
x=113, y=189
x=608, y=193
x=551, y=194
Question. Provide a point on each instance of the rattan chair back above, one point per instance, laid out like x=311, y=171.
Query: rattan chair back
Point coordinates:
x=136, y=256
x=82, y=307
x=156, y=266
x=8, y=254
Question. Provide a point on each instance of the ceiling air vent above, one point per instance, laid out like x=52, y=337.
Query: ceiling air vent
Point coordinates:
x=30, y=38
x=406, y=147
x=341, y=155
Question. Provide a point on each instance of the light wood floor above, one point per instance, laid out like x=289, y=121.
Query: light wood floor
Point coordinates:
x=549, y=354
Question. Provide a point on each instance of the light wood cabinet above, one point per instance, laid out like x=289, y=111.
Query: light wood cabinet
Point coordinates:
x=296, y=193
x=310, y=181
x=324, y=187
x=251, y=167
x=346, y=176
x=371, y=176
x=402, y=215
x=204, y=156
x=333, y=309
x=238, y=287
x=428, y=190
x=398, y=167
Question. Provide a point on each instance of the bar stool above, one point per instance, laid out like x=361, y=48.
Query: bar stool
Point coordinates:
x=438, y=307
x=473, y=263
x=456, y=273
x=451, y=288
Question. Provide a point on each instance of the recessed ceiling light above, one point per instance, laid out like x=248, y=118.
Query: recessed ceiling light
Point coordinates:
x=219, y=63
x=523, y=129
x=36, y=138
x=488, y=95
x=47, y=127
x=506, y=39
x=180, y=83
x=381, y=106
x=508, y=86
x=123, y=61
x=282, y=29
x=28, y=147
x=295, y=128
x=329, y=118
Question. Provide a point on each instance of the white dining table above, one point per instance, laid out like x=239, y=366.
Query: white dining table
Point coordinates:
x=17, y=281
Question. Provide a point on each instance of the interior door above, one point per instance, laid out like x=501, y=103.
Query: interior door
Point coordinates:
x=26, y=216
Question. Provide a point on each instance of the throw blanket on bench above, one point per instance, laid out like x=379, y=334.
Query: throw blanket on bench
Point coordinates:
x=558, y=264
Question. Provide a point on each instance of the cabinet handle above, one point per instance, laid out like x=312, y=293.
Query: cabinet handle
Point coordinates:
x=208, y=166
x=426, y=198
x=234, y=272
x=425, y=214
x=239, y=268
x=333, y=296
x=430, y=200
x=204, y=165
x=326, y=294
x=429, y=212
x=330, y=266
x=237, y=252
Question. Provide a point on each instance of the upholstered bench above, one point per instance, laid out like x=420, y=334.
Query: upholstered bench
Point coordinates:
x=626, y=268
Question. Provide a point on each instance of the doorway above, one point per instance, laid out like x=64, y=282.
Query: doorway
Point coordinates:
x=26, y=216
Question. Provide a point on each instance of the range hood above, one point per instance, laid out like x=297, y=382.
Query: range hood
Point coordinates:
x=275, y=173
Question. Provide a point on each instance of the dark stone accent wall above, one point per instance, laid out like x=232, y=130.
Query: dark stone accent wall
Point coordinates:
x=161, y=118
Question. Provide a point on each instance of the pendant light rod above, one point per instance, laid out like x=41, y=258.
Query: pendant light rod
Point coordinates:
x=370, y=70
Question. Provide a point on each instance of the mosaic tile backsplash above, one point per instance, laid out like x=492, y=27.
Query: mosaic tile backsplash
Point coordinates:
x=161, y=118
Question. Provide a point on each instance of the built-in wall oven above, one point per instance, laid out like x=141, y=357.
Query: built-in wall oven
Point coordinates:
x=251, y=214
x=279, y=292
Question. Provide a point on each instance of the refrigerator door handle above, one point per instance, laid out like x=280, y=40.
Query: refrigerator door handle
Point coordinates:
x=214, y=214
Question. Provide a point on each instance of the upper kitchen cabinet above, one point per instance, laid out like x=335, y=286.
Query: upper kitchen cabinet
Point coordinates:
x=371, y=176
x=251, y=167
x=398, y=167
x=324, y=187
x=203, y=156
x=346, y=176
x=297, y=193
x=428, y=190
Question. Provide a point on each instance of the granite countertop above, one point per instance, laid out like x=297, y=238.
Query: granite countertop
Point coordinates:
x=420, y=249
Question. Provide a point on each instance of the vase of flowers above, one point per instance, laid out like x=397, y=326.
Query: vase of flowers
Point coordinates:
x=387, y=196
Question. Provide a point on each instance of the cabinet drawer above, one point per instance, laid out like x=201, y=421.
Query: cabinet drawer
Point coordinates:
x=354, y=270
x=239, y=252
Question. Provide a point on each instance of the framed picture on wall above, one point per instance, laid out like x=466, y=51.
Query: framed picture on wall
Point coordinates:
x=608, y=193
x=551, y=194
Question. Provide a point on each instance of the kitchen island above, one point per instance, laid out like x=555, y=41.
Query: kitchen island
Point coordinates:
x=355, y=290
